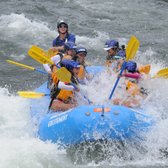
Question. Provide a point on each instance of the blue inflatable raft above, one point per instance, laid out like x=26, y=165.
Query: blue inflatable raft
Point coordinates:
x=87, y=123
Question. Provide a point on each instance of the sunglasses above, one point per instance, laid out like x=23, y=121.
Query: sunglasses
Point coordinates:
x=63, y=26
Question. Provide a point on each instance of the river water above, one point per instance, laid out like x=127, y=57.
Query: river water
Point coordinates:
x=33, y=22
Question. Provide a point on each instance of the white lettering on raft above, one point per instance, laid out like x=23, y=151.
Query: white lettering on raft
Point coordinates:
x=57, y=120
x=60, y=114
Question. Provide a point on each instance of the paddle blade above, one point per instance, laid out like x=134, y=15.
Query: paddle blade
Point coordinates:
x=32, y=95
x=162, y=73
x=39, y=55
x=51, y=53
x=63, y=75
x=132, y=48
x=19, y=64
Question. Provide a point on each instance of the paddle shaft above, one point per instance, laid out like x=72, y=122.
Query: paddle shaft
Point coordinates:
x=115, y=85
x=41, y=71
x=26, y=66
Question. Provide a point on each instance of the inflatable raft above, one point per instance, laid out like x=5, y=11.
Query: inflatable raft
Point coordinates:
x=87, y=123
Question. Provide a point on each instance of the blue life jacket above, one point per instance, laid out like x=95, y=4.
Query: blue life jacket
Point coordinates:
x=59, y=42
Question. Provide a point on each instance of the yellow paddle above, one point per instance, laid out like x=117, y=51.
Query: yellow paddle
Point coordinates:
x=30, y=94
x=131, y=50
x=162, y=73
x=39, y=55
x=63, y=75
x=26, y=66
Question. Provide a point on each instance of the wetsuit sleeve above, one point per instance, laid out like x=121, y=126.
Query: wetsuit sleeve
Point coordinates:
x=62, y=85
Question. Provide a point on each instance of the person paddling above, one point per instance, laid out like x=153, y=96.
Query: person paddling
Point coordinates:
x=62, y=94
x=81, y=53
x=134, y=92
x=69, y=48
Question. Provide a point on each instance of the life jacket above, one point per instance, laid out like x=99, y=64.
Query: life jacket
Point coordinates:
x=81, y=73
x=54, y=76
x=55, y=68
x=132, y=88
x=65, y=56
x=144, y=69
x=65, y=95
x=61, y=94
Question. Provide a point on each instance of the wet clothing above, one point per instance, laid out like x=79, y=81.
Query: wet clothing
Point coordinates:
x=59, y=42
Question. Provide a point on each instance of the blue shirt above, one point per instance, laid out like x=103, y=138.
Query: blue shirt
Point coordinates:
x=121, y=53
x=60, y=42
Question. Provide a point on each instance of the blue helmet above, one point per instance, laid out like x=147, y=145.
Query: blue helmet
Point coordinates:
x=62, y=22
x=69, y=46
x=131, y=66
x=69, y=64
x=111, y=44
x=81, y=49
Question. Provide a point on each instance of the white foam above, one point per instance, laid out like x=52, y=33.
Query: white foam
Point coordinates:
x=24, y=31
x=19, y=146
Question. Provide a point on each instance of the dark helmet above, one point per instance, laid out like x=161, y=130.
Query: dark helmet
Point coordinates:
x=69, y=64
x=131, y=66
x=69, y=46
x=61, y=22
x=111, y=44
x=81, y=49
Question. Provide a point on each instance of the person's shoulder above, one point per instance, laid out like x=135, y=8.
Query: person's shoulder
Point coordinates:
x=121, y=53
x=70, y=35
x=55, y=40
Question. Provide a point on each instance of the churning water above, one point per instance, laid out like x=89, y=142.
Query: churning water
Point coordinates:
x=26, y=23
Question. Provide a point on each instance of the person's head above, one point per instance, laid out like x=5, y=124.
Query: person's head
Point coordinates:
x=70, y=48
x=71, y=66
x=131, y=66
x=81, y=53
x=111, y=46
x=62, y=27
